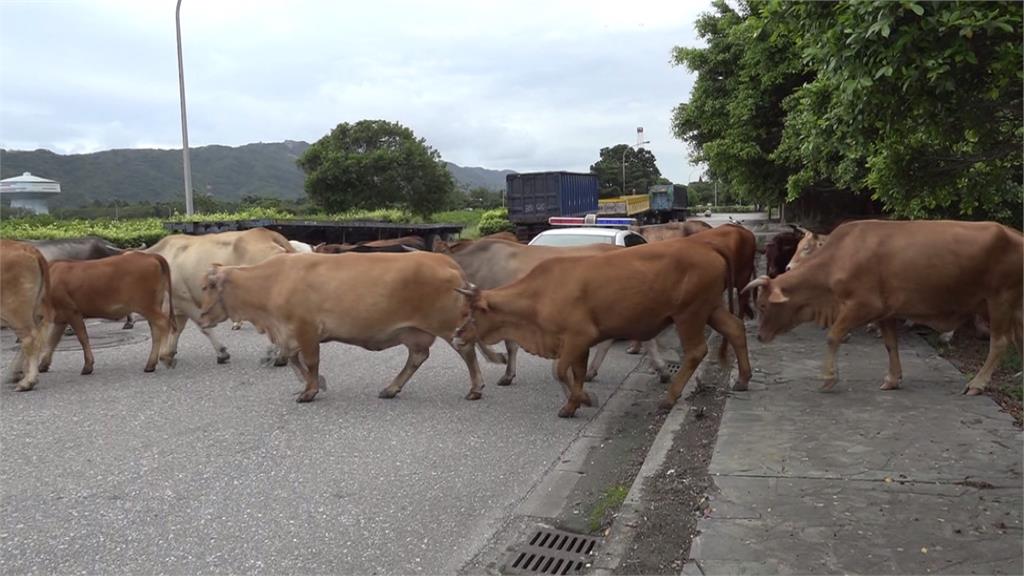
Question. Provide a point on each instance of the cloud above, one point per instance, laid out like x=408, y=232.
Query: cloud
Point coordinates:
x=529, y=85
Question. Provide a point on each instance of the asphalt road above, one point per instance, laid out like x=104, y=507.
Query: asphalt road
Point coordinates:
x=215, y=468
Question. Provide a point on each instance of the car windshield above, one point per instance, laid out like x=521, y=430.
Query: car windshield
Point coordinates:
x=572, y=240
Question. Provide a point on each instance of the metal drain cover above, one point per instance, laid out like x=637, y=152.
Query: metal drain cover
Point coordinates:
x=551, y=551
x=648, y=366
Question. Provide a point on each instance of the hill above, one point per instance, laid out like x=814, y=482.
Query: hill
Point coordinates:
x=227, y=173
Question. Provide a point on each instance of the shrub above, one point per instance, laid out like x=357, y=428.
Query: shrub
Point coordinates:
x=494, y=221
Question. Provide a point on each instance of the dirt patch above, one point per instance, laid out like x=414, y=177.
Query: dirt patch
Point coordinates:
x=677, y=496
x=968, y=352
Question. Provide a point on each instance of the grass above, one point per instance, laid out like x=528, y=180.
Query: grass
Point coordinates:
x=610, y=501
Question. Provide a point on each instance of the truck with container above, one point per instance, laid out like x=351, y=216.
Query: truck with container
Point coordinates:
x=532, y=198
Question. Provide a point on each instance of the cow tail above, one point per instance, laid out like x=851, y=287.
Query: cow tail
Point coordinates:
x=44, y=297
x=165, y=270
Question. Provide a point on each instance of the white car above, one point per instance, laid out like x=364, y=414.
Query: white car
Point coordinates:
x=587, y=235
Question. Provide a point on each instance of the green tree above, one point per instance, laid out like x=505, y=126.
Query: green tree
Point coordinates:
x=918, y=102
x=641, y=170
x=734, y=119
x=375, y=164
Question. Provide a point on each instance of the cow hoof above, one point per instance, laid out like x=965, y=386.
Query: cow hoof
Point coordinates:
x=828, y=384
x=86, y=371
x=590, y=399
x=664, y=377
x=973, y=391
x=567, y=412
x=387, y=393
x=888, y=384
x=633, y=350
x=44, y=367
x=306, y=397
x=170, y=362
x=149, y=369
x=740, y=386
x=24, y=387
x=278, y=362
x=665, y=405
x=474, y=395
x=590, y=377
x=223, y=358
x=505, y=381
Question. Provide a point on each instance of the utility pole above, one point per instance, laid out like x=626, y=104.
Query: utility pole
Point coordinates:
x=184, y=120
x=639, y=144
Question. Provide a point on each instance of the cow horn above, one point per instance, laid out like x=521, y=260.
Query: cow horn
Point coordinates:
x=759, y=281
x=471, y=291
x=409, y=249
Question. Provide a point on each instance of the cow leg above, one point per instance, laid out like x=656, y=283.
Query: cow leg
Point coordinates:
x=476, y=384
x=510, y=363
x=308, y=358
x=52, y=339
x=171, y=345
x=890, y=335
x=491, y=355
x=78, y=325
x=695, y=347
x=27, y=361
x=654, y=352
x=129, y=322
x=159, y=329
x=418, y=344
x=571, y=369
x=1001, y=332
x=634, y=347
x=842, y=325
x=733, y=332
x=600, y=351
x=222, y=352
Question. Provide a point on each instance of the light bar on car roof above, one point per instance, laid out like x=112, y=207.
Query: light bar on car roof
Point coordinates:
x=585, y=221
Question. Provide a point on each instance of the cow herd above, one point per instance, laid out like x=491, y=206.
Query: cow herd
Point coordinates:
x=553, y=302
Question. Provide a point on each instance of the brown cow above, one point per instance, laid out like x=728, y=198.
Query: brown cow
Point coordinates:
x=403, y=244
x=741, y=246
x=24, y=306
x=659, y=232
x=492, y=263
x=110, y=288
x=191, y=256
x=780, y=249
x=566, y=305
x=375, y=301
x=938, y=273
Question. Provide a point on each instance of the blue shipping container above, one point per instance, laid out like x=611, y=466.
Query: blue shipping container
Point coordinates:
x=537, y=196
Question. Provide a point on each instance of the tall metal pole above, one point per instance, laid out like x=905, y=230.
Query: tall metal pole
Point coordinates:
x=184, y=121
x=624, y=170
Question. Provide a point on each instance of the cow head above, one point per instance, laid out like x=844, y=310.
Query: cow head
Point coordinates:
x=778, y=313
x=478, y=322
x=212, y=311
x=807, y=246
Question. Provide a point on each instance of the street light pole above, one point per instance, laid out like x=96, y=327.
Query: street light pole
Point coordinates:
x=184, y=121
x=638, y=145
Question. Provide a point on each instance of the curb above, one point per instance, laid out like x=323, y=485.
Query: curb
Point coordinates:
x=623, y=529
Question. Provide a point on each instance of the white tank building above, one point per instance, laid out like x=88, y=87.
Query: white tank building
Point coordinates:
x=29, y=192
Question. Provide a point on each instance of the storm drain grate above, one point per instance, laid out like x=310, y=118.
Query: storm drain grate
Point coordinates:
x=551, y=551
x=648, y=366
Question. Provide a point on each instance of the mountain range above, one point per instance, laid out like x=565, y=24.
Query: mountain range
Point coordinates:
x=225, y=172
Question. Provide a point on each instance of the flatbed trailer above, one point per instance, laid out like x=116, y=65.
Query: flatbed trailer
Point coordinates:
x=317, y=231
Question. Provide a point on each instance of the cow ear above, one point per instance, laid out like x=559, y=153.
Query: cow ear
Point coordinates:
x=776, y=296
x=442, y=247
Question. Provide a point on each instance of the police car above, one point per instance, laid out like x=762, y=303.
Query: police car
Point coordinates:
x=588, y=230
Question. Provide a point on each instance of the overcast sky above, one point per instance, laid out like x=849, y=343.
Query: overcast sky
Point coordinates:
x=520, y=85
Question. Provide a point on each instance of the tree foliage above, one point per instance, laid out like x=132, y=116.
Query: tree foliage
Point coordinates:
x=375, y=164
x=916, y=103
x=641, y=170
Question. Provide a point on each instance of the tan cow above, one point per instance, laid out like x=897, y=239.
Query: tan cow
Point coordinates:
x=492, y=263
x=24, y=306
x=938, y=273
x=190, y=257
x=566, y=305
x=741, y=246
x=670, y=230
x=375, y=301
x=111, y=288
